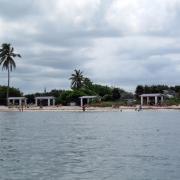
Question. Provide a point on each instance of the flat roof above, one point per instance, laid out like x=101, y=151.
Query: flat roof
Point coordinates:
x=45, y=97
x=11, y=98
x=87, y=97
x=152, y=95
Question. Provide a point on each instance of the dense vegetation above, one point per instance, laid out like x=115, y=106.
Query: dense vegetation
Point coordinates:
x=82, y=86
x=13, y=92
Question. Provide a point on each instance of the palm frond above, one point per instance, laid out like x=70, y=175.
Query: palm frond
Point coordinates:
x=5, y=65
x=6, y=56
x=12, y=64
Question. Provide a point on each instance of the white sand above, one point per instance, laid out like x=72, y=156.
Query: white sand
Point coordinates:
x=79, y=109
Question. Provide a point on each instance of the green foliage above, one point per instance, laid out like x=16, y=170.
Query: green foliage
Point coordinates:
x=107, y=97
x=7, y=62
x=87, y=88
x=101, y=90
x=87, y=83
x=116, y=94
x=64, y=98
x=6, y=57
x=172, y=101
x=30, y=98
x=70, y=96
x=13, y=92
x=177, y=90
x=74, y=96
x=77, y=79
x=139, y=90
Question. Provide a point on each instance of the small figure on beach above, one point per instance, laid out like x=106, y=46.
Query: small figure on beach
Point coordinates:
x=140, y=108
x=84, y=108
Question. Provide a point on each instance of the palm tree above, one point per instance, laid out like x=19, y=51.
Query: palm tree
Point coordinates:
x=6, y=60
x=76, y=79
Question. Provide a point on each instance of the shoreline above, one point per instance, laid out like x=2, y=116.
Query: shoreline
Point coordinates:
x=88, y=109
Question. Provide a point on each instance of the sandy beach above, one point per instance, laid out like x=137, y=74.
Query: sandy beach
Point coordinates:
x=79, y=109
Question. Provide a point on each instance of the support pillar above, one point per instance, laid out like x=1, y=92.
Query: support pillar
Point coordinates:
x=88, y=101
x=81, y=102
x=156, y=100
x=141, y=100
x=20, y=102
x=162, y=99
x=49, y=102
x=36, y=103
x=25, y=102
x=53, y=102
x=148, y=100
x=8, y=102
x=13, y=102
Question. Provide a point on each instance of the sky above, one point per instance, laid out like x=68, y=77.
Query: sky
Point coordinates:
x=119, y=43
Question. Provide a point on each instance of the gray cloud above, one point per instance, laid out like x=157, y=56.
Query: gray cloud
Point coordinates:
x=120, y=43
x=16, y=10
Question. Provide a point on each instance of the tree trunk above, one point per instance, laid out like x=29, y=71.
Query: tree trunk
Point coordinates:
x=7, y=95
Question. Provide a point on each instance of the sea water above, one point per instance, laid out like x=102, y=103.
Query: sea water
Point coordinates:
x=90, y=145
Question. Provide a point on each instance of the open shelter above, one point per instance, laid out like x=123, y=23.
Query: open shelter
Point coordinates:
x=49, y=100
x=17, y=101
x=152, y=98
x=87, y=98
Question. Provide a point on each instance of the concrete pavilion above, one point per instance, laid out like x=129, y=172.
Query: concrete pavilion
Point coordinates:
x=87, y=98
x=155, y=98
x=17, y=101
x=49, y=99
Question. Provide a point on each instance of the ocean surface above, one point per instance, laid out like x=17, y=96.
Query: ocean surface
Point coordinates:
x=90, y=145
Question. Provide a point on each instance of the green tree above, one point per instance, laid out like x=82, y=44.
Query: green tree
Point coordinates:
x=12, y=92
x=7, y=56
x=87, y=83
x=101, y=90
x=116, y=94
x=77, y=79
x=139, y=91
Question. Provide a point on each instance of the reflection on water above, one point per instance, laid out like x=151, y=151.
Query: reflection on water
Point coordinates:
x=94, y=146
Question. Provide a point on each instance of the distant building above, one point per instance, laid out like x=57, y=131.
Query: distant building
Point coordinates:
x=169, y=93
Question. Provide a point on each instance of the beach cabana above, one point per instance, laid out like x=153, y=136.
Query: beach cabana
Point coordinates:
x=155, y=98
x=17, y=101
x=87, y=98
x=49, y=100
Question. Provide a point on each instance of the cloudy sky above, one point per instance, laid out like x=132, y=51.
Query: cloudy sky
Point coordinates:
x=115, y=42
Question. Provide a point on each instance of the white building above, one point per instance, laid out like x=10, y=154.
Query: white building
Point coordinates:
x=49, y=99
x=17, y=101
x=155, y=98
x=87, y=98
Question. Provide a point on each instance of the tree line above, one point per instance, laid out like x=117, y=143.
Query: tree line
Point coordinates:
x=83, y=86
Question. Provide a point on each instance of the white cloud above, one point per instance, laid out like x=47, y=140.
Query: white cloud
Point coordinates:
x=115, y=42
x=69, y=12
x=141, y=16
